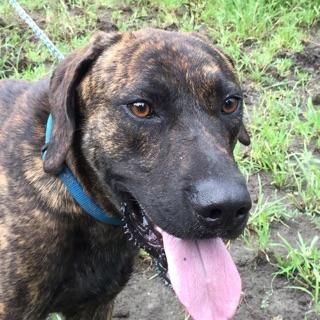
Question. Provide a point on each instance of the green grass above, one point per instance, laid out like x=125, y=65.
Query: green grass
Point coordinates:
x=56, y=317
x=301, y=265
x=264, y=213
x=263, y=37
x=305, y=173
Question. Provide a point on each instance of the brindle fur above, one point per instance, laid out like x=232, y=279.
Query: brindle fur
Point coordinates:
x=54, y=257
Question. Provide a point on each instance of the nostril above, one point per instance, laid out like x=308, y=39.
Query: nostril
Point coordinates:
x=241, y=214
x=212, y=214
x=215, y=214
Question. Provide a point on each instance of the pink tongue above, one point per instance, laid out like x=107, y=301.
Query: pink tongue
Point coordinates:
x=204, y=277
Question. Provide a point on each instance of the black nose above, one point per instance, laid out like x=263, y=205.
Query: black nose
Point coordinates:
x=221, y=204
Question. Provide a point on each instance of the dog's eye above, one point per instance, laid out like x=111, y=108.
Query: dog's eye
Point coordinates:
x=141, y=109
x=230, y=105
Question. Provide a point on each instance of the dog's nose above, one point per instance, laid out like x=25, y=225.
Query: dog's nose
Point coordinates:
x=221, y=204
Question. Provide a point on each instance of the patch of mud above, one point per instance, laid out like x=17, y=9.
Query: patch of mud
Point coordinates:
x=309, y=58
x=264, y=296
x=144, y=298
x=290, y=229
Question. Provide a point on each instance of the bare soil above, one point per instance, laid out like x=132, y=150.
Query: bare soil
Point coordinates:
x=264, y=297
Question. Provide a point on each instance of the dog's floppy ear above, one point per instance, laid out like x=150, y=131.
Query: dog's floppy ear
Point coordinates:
x=243, y=136
x=63, y=84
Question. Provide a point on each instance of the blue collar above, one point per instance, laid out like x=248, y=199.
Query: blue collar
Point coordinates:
x=76, y=190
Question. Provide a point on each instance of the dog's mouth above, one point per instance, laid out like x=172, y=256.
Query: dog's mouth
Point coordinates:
x=201, y=271
x=143, y=233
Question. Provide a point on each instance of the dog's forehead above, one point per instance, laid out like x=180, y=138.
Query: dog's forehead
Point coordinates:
x=183, y=51
x=155, y=57
x=159, y=48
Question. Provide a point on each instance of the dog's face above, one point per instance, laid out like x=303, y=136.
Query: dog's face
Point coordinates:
x=157, y=115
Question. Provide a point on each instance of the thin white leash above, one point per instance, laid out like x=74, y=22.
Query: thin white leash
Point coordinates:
x=37, y=31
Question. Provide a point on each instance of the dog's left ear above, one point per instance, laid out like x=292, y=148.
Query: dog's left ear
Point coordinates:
x=62, y=91
x=243, y=136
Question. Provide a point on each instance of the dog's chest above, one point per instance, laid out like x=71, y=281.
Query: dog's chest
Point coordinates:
x=93, y=272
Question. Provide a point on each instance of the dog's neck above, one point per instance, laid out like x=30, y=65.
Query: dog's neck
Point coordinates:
x=49, y=187
x=89, y=180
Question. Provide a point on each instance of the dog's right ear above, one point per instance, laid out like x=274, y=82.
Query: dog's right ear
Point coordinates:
x=63, y=84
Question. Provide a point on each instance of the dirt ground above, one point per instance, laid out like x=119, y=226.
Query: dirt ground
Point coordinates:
x=264, y=297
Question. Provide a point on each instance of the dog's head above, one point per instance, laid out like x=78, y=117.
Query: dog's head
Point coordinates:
x=157, y=115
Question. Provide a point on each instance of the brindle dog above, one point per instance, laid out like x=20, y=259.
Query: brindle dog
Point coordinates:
x=148, y=119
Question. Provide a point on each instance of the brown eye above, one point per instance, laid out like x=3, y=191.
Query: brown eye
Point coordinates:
x=141, y=109
x=230, y=105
